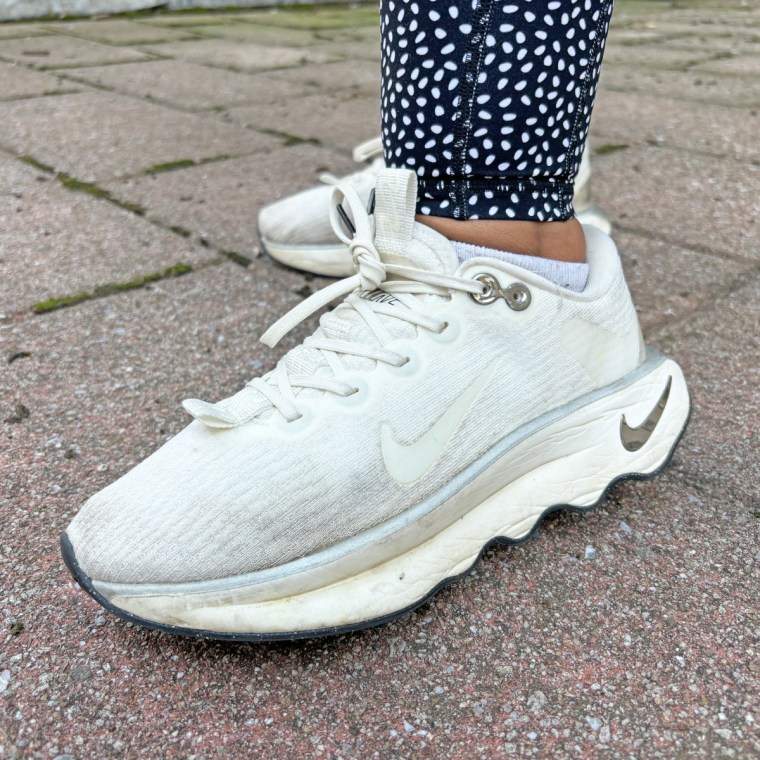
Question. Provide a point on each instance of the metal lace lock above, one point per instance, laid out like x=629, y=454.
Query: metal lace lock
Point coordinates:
x=516, y=295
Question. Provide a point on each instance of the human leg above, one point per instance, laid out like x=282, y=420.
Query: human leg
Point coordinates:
x=490, y=105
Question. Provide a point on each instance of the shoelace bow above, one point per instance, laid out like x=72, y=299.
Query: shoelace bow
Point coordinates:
x=278, y=386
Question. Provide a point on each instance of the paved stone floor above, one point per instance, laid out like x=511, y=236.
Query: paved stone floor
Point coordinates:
x=140, y=148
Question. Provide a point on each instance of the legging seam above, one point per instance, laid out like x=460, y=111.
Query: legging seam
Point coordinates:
x=586, y=86
x=463, y=131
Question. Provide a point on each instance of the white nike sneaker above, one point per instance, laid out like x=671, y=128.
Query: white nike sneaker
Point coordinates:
x=296, y=230
x=440, y=407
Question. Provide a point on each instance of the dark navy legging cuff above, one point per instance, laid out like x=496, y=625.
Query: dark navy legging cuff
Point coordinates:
x=539, y=200
x=490, y=102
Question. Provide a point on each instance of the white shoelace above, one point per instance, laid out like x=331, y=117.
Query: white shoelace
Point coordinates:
x=279, y=386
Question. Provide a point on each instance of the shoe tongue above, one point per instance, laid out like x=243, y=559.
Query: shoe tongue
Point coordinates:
x=398, y=237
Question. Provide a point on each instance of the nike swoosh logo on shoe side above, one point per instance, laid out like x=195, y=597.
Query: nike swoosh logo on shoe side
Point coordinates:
x=634, y=438
x=406, y=464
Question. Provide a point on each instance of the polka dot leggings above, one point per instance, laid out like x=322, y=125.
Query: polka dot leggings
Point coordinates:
x=490, y=102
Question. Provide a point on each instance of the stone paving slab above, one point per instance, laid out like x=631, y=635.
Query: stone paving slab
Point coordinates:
x=189, y=85
x=117, y=31
x=330, y=120
x=68, y=133
x=55, y=242
x=240, y=56
x=324, y=18
x=198, y=19
x=726, y=47
x=366, y=49
x=584, y=639
x=638, y=36
x=623, y=118
x=655, y=55
x=11, y=31
x=746, y=66
x=220, y=201
x=17, y=82
x=357, y=78
x=53, y=52
x=745, y=28
x=718, y=349
x=638, y=185
x=669, y=282
x=257, y=33
x=685, y=86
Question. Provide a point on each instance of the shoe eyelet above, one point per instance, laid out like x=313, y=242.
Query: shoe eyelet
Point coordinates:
x=297, y=425
x=517, y=295
x=409, y=367
x=490, y=289
x=359, y=395
x=449, y=333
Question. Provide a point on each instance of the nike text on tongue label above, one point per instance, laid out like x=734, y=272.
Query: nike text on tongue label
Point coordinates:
x=379, y=296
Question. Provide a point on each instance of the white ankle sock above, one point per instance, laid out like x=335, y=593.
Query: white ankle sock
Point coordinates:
x=566, y=274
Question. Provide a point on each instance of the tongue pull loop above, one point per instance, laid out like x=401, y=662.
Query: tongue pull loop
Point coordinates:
x=395, y=209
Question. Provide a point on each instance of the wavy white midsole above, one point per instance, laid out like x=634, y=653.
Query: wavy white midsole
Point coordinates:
x=570, y=460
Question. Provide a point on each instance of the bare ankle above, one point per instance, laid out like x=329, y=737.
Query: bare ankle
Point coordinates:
x=563, y=241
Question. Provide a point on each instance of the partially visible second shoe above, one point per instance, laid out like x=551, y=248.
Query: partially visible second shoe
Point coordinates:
x=296, y=230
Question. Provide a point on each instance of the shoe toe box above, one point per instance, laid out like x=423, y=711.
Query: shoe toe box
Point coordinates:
x=301, y=219
x=216, y=504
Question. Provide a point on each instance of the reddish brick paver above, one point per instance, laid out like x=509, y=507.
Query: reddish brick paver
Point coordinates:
x=629, y=632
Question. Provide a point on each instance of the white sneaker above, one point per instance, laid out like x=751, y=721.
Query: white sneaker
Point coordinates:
x=296, y=230
x=441, y=407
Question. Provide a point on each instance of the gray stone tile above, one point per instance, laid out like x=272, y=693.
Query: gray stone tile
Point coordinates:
x=692, y=200
x=116, y=31
x=220, y=201
x=637, y=118
x=182, y=20
x=318, y=19
x=691, y=86
x=726, y=47
x=745, y=65
x=10, y=31
x=636, y=36
x=53, y=52
x=718, y=349
x=189, y=85
x=359, y=78
x=352, y=50
x=669, y=283
x=240, y=56
x=656, y=55
x=92, y=135
x=243, y=31
x=55, y=242
x=335, y=121
x=18, y=82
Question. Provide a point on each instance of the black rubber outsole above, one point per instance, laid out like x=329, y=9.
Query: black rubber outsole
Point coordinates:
x=86, y=583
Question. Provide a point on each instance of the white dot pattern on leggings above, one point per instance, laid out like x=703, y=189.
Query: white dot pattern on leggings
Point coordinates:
x=489, y=102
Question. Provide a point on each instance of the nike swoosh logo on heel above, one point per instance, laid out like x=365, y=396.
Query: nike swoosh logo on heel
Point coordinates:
x=633, y=438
